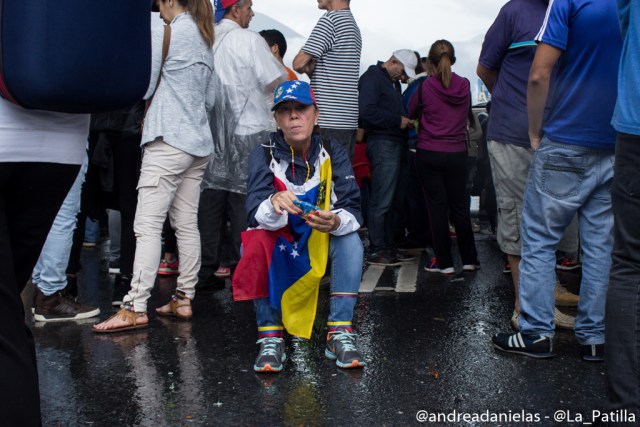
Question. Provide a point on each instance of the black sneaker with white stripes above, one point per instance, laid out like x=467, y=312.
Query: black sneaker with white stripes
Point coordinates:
x=536, y=346
x=592, y=352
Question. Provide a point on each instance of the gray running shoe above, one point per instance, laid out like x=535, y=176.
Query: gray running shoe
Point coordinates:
x=271, y=357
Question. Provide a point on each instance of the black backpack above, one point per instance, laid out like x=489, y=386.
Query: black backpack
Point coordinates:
x=75, y=56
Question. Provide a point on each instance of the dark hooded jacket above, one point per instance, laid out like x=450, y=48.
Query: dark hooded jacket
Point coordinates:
x=380, y=103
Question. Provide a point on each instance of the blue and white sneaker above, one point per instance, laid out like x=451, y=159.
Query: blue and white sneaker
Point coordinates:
x=536, y=346
x=341, y=348
x=271, y=357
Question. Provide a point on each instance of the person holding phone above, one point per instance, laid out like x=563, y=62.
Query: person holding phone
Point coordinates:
x=299, y=168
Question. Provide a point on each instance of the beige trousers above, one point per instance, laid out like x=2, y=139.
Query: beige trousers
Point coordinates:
x=169, y=183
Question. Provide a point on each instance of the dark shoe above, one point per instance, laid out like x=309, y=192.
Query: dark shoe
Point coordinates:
x=60, y=307
x=592, y=352
x=341, y=348
x=121, y=287
x=410, y=244
x=271, y=357
x=383, y=259
x=567, y=264
x=402, y=256
x=210, y=283
x=536, y=346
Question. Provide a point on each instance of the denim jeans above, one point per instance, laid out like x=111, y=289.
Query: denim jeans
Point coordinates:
x=385, y=156
x=565, y=180
x=91, y=231
x=345, y=256
x=622, y=319
x=49, y=274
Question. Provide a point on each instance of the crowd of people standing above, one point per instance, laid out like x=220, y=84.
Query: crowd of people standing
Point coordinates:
x=250, y=170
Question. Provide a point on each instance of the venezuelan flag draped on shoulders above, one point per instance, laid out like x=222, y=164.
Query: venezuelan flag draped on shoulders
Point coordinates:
x=287, y=264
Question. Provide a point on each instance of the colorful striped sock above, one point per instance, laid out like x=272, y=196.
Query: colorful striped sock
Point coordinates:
x=339, y=326
x=270, y=332
x=344, y=295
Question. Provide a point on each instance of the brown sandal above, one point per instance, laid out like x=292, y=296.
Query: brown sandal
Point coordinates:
x=131, y=317
x=179, y=299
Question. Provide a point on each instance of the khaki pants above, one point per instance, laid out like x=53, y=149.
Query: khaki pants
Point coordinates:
x=169, y=183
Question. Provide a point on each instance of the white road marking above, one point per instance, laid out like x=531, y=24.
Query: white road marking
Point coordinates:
x=407, y=277
x=370, y=278
x=405, y=283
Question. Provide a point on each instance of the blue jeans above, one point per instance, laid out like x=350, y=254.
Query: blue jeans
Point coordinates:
x=565, y=180
x=385, y=156
x=622, y=332
x=91, y=231
x=49, y=274
x=345, y=256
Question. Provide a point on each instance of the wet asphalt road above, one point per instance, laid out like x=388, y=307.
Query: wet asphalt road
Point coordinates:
x=429, y=350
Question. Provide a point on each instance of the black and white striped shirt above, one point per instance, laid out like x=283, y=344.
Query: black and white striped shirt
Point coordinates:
x=336, y=45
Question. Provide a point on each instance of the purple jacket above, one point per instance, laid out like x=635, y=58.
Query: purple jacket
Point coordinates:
x=443, y=125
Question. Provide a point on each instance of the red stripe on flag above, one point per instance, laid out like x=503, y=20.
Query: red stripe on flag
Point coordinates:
x=251, y=278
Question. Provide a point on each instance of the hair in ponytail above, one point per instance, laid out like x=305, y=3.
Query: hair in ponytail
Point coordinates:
x=202, y=12
x=442, y=55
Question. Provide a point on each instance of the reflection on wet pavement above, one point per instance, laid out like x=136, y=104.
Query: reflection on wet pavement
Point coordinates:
x=429, y=349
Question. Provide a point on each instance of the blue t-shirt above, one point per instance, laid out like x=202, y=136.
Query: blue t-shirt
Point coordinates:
x=583, y=93
x=626, y=118
x=509, y=48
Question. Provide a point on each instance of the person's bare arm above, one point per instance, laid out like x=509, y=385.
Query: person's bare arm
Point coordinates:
x=538, y=88
x=304, y=63
x=487, y=76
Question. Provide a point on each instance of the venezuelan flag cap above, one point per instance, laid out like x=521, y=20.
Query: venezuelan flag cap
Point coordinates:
x=221, y=7
x=293, y=90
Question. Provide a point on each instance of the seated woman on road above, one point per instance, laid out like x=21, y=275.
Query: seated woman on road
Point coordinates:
x=285, y=253
x=177, y=144
x=443, y=104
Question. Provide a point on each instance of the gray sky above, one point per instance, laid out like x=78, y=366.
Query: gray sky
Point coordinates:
x=390, y=25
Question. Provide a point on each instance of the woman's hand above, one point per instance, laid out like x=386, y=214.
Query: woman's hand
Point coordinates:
x=325, y=221
x=283, y=201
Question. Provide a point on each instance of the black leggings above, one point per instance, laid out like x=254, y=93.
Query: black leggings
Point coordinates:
x=443, y=177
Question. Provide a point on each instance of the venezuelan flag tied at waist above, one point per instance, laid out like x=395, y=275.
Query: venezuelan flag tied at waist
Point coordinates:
x=286, y=265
